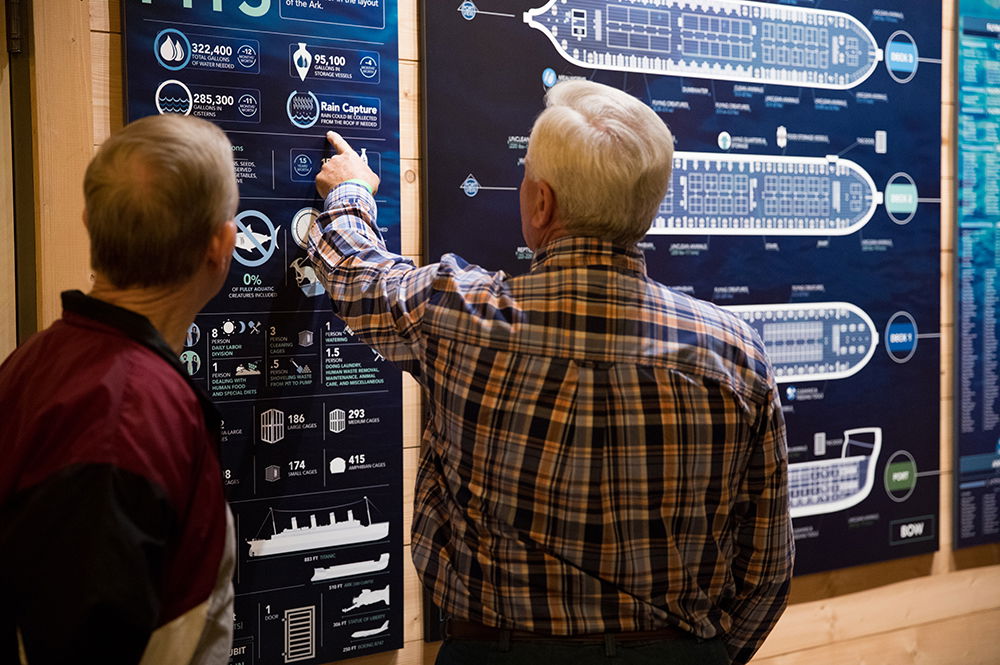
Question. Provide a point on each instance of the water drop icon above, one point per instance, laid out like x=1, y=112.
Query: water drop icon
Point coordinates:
x=302, y=59
x=171, y=50
x=168, y=49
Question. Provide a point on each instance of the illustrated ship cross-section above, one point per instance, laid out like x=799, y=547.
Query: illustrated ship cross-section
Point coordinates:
x=830, y=485
x=816, y=341
x=735, y=40
x=723, y=194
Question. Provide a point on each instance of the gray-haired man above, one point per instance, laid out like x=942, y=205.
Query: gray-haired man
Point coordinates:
x=604, y=464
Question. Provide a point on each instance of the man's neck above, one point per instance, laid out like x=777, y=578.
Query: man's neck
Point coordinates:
x=170, y=309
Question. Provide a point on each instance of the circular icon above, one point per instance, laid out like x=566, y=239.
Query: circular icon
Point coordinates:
x=468, y=10
x=901, y=56
x=470, y=186
x=246, y=56
x=259, y=246
x=173, y=97
x=900, y=476
x=725, y=141
x=300, y=225
x=549, y=77
x=302, y=164
x=172, y=49
x=303, y=109
x=193, y=335
x=901, y=337
x=248, y=106
x=369, y=67
x=901, y=198
x=191, y=362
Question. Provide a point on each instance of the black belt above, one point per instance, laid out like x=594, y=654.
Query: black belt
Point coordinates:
x=466, y=630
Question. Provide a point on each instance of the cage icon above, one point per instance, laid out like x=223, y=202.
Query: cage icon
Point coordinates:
x=272, y=426
x=338, y=421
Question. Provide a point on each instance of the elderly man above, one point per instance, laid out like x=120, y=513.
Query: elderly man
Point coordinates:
x=604, y=471
x=116, y=538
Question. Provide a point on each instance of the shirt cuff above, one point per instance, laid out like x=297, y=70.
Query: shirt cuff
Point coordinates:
x=341, y=190
x=359, y=181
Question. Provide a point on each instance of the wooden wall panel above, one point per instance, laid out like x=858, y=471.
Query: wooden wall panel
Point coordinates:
x=62, y=131
x=8, y=291
x=931, y=609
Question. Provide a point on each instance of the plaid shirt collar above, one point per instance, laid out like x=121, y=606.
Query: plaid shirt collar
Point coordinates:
x=577, y=251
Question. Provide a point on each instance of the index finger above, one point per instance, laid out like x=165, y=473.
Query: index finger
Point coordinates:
x=338, y=142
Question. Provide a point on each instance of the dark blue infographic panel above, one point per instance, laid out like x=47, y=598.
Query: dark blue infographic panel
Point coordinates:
x=312, y=434
x=977, y=464
x=805, y=198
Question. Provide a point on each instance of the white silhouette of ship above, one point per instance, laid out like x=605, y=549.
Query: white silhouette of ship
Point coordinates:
x=830, y=485
x=299, y=538
x=349, y=569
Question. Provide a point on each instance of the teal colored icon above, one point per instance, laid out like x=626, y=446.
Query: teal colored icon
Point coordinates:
x=901, y=56
x=901, y=198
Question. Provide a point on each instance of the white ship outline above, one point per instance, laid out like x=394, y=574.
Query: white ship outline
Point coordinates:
x=350, y=569
x=815, y=341
x=831, y=485
x=755, y=195
x=736, y=40
x=314, y=536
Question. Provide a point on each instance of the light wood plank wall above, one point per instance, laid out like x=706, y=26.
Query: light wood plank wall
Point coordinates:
x=8, y=292
x=941, y=608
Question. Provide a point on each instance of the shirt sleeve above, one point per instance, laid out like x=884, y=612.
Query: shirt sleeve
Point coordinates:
x=381, y=295
x=390, y=303
x=84, y=552
x=765, y=550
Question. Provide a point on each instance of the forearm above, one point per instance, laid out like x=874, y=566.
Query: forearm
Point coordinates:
x=375, y=291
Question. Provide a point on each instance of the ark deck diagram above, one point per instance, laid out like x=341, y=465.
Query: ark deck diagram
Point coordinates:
x=804, y=198
x=311, y=445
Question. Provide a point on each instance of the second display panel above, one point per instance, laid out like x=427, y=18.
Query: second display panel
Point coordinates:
x=805, y=197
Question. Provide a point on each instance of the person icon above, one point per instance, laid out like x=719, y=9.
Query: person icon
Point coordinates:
x=191, y=362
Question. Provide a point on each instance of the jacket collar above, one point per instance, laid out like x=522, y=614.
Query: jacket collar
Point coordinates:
x=77, y=305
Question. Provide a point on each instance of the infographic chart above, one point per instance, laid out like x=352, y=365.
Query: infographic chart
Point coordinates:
x=977, y=503
x=311, y=449
x=805, y=197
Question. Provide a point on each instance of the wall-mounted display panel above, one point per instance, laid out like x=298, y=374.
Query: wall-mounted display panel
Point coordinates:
x=977, y=441
x=805, y=197
x=312, y=434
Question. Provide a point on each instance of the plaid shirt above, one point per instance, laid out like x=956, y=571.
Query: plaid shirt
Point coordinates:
x=602, y=454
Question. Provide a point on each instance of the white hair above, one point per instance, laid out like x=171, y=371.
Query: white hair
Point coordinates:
x=607, y=157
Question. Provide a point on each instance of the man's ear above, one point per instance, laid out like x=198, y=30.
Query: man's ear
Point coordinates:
x=545, y=206
x=220, y=247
